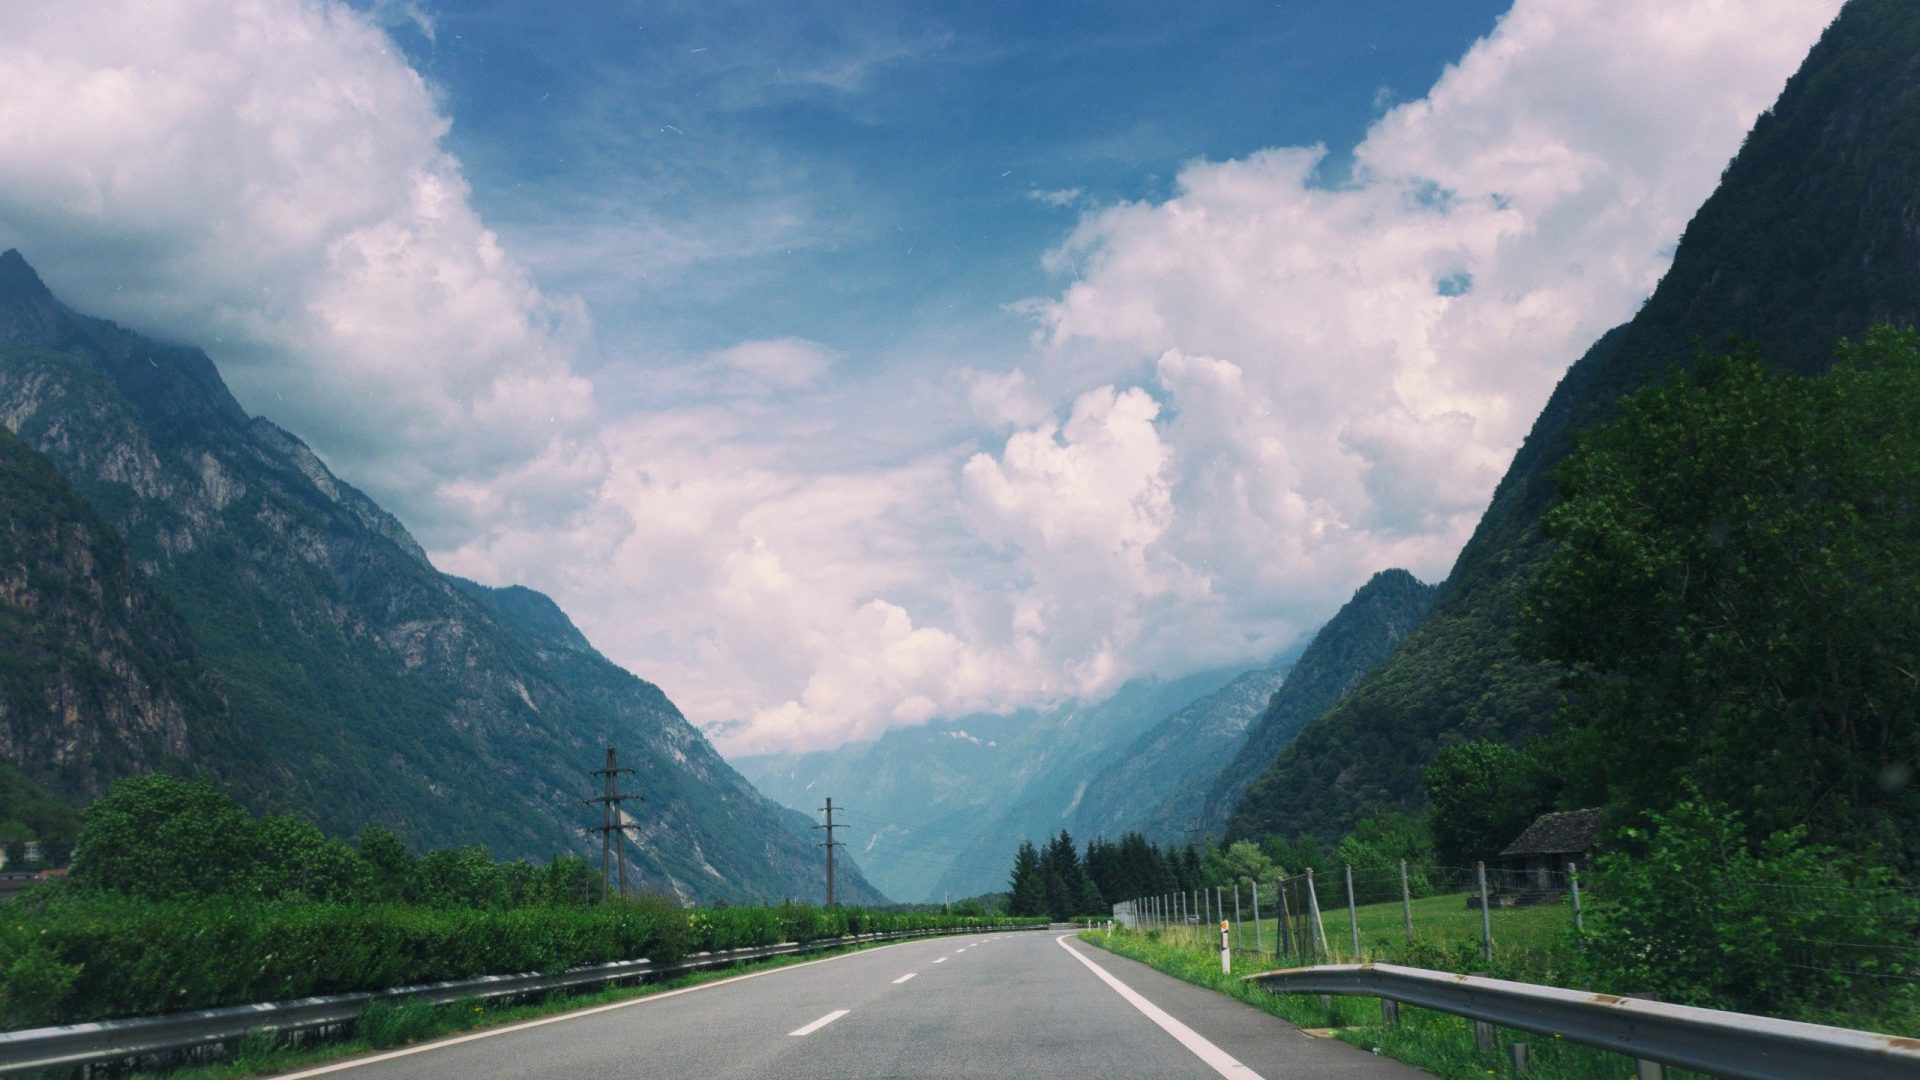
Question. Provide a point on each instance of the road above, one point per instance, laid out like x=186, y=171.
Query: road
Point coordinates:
x=1031, y=1005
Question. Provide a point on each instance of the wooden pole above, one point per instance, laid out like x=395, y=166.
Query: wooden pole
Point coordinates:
x=1406, y=901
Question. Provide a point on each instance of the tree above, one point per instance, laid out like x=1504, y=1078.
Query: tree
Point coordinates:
x=1026, y=888
x=161, y=837
x=1482, y=795
x=1733, y=588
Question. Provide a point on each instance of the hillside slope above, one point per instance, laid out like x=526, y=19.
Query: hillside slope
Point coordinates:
x=1814, y=233
x=366, y=686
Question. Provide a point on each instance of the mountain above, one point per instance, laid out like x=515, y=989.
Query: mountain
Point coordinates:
x=1178, y=754
x=1813, y=234
x=262, y=623
x=938, y=810
x=1359, y=638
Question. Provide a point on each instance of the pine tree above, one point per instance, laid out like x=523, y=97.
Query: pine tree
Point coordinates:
x=1027, y=888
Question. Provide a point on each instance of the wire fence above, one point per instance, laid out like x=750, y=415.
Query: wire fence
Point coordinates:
x=1461, y=917
x=1349, y=914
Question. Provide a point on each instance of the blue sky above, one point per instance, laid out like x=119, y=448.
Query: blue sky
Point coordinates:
x=886, y=163
x=844, y=367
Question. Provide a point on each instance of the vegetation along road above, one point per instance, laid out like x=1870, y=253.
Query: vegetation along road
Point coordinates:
x=1034, y=1005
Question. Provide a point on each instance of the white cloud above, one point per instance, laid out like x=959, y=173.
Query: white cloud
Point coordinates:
x=266, y=177
x=1058, y=199
x=1349, y=369
x=782, y=364
x=1248, y=397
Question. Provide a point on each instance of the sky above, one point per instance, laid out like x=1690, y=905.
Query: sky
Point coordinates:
x=845, y=366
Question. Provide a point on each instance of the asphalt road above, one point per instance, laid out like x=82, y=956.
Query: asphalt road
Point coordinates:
x=1031, y=1005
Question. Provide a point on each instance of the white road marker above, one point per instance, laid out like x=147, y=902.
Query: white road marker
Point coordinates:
x=820, y=1023
x=905, y=977
x=942, y=960
x=508, y=1029
x=1217, y=1059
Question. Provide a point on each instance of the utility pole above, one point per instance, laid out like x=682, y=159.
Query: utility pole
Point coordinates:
x=613, y=824
x=830, y=844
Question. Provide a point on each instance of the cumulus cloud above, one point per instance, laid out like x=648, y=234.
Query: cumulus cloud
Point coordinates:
x=1246, y=397
x=266, y=177
x=1349, y=368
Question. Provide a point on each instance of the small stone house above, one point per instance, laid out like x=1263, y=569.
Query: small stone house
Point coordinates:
x=1538, y=857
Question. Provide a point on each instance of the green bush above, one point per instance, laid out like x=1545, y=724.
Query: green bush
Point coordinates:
x=74, y=956
x=1699, y=918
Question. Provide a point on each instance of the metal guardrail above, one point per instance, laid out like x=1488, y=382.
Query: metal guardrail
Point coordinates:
x=104, y=1041
x=1707, y=1040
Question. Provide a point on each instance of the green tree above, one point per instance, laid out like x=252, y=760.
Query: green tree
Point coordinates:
x=1026, y=886
x=389, y=861
x=161, y=837
x=1688, y=913
x=1734, y=589
x=294, y=860
x=1482, y=795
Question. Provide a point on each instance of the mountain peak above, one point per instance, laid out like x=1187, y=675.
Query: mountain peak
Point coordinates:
x=18, y=280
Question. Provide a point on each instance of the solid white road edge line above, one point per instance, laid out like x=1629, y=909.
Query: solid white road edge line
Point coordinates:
x=818, y=1024
x=1217, y=1059
x=905, y=977
x=342, y=1066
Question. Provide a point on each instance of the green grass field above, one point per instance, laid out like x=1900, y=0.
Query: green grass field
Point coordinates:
x=1525, y=939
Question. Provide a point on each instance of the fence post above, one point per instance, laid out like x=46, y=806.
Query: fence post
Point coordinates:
x=1317, y=926
x=1406, y=901
x=1284, y=928
x=1573, y=881
x=1259, y=945
x=1353, y=916
x=1238, y=931
x=1486, y=914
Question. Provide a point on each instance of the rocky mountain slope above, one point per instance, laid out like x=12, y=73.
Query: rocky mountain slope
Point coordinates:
x=353, y=683
x=1813, y=234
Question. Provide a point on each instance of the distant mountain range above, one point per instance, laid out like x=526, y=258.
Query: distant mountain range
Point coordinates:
x=938, y=810
x=186, y=587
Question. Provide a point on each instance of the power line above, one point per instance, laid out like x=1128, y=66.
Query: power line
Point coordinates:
x=613, y=822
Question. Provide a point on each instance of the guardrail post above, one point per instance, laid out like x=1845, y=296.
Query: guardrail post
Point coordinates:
x=1573, y=882
x=1406, y=901
x=1353, y=916
x=1483, y=1038
x=1649, y=1070
x=1522, y=1056
x=1389, y=1013
x=1486, y=915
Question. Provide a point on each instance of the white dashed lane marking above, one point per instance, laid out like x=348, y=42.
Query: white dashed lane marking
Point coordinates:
x=820, y=1023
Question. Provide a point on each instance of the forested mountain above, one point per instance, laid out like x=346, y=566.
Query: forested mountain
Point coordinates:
x=1813, y=234
x=933, y=810
x=220, y=603
x=1359, y=638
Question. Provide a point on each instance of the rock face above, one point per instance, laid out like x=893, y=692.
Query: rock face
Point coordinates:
x=335, y=673
x=1813, y=234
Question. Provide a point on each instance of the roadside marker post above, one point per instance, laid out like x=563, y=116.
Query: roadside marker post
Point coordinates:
x=1226, y=950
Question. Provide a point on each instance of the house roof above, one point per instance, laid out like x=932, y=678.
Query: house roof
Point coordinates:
x=1557, y=834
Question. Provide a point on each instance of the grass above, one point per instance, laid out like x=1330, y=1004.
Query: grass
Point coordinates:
x=386, y=1025
x=1437, y=1042
x=1529, y=942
